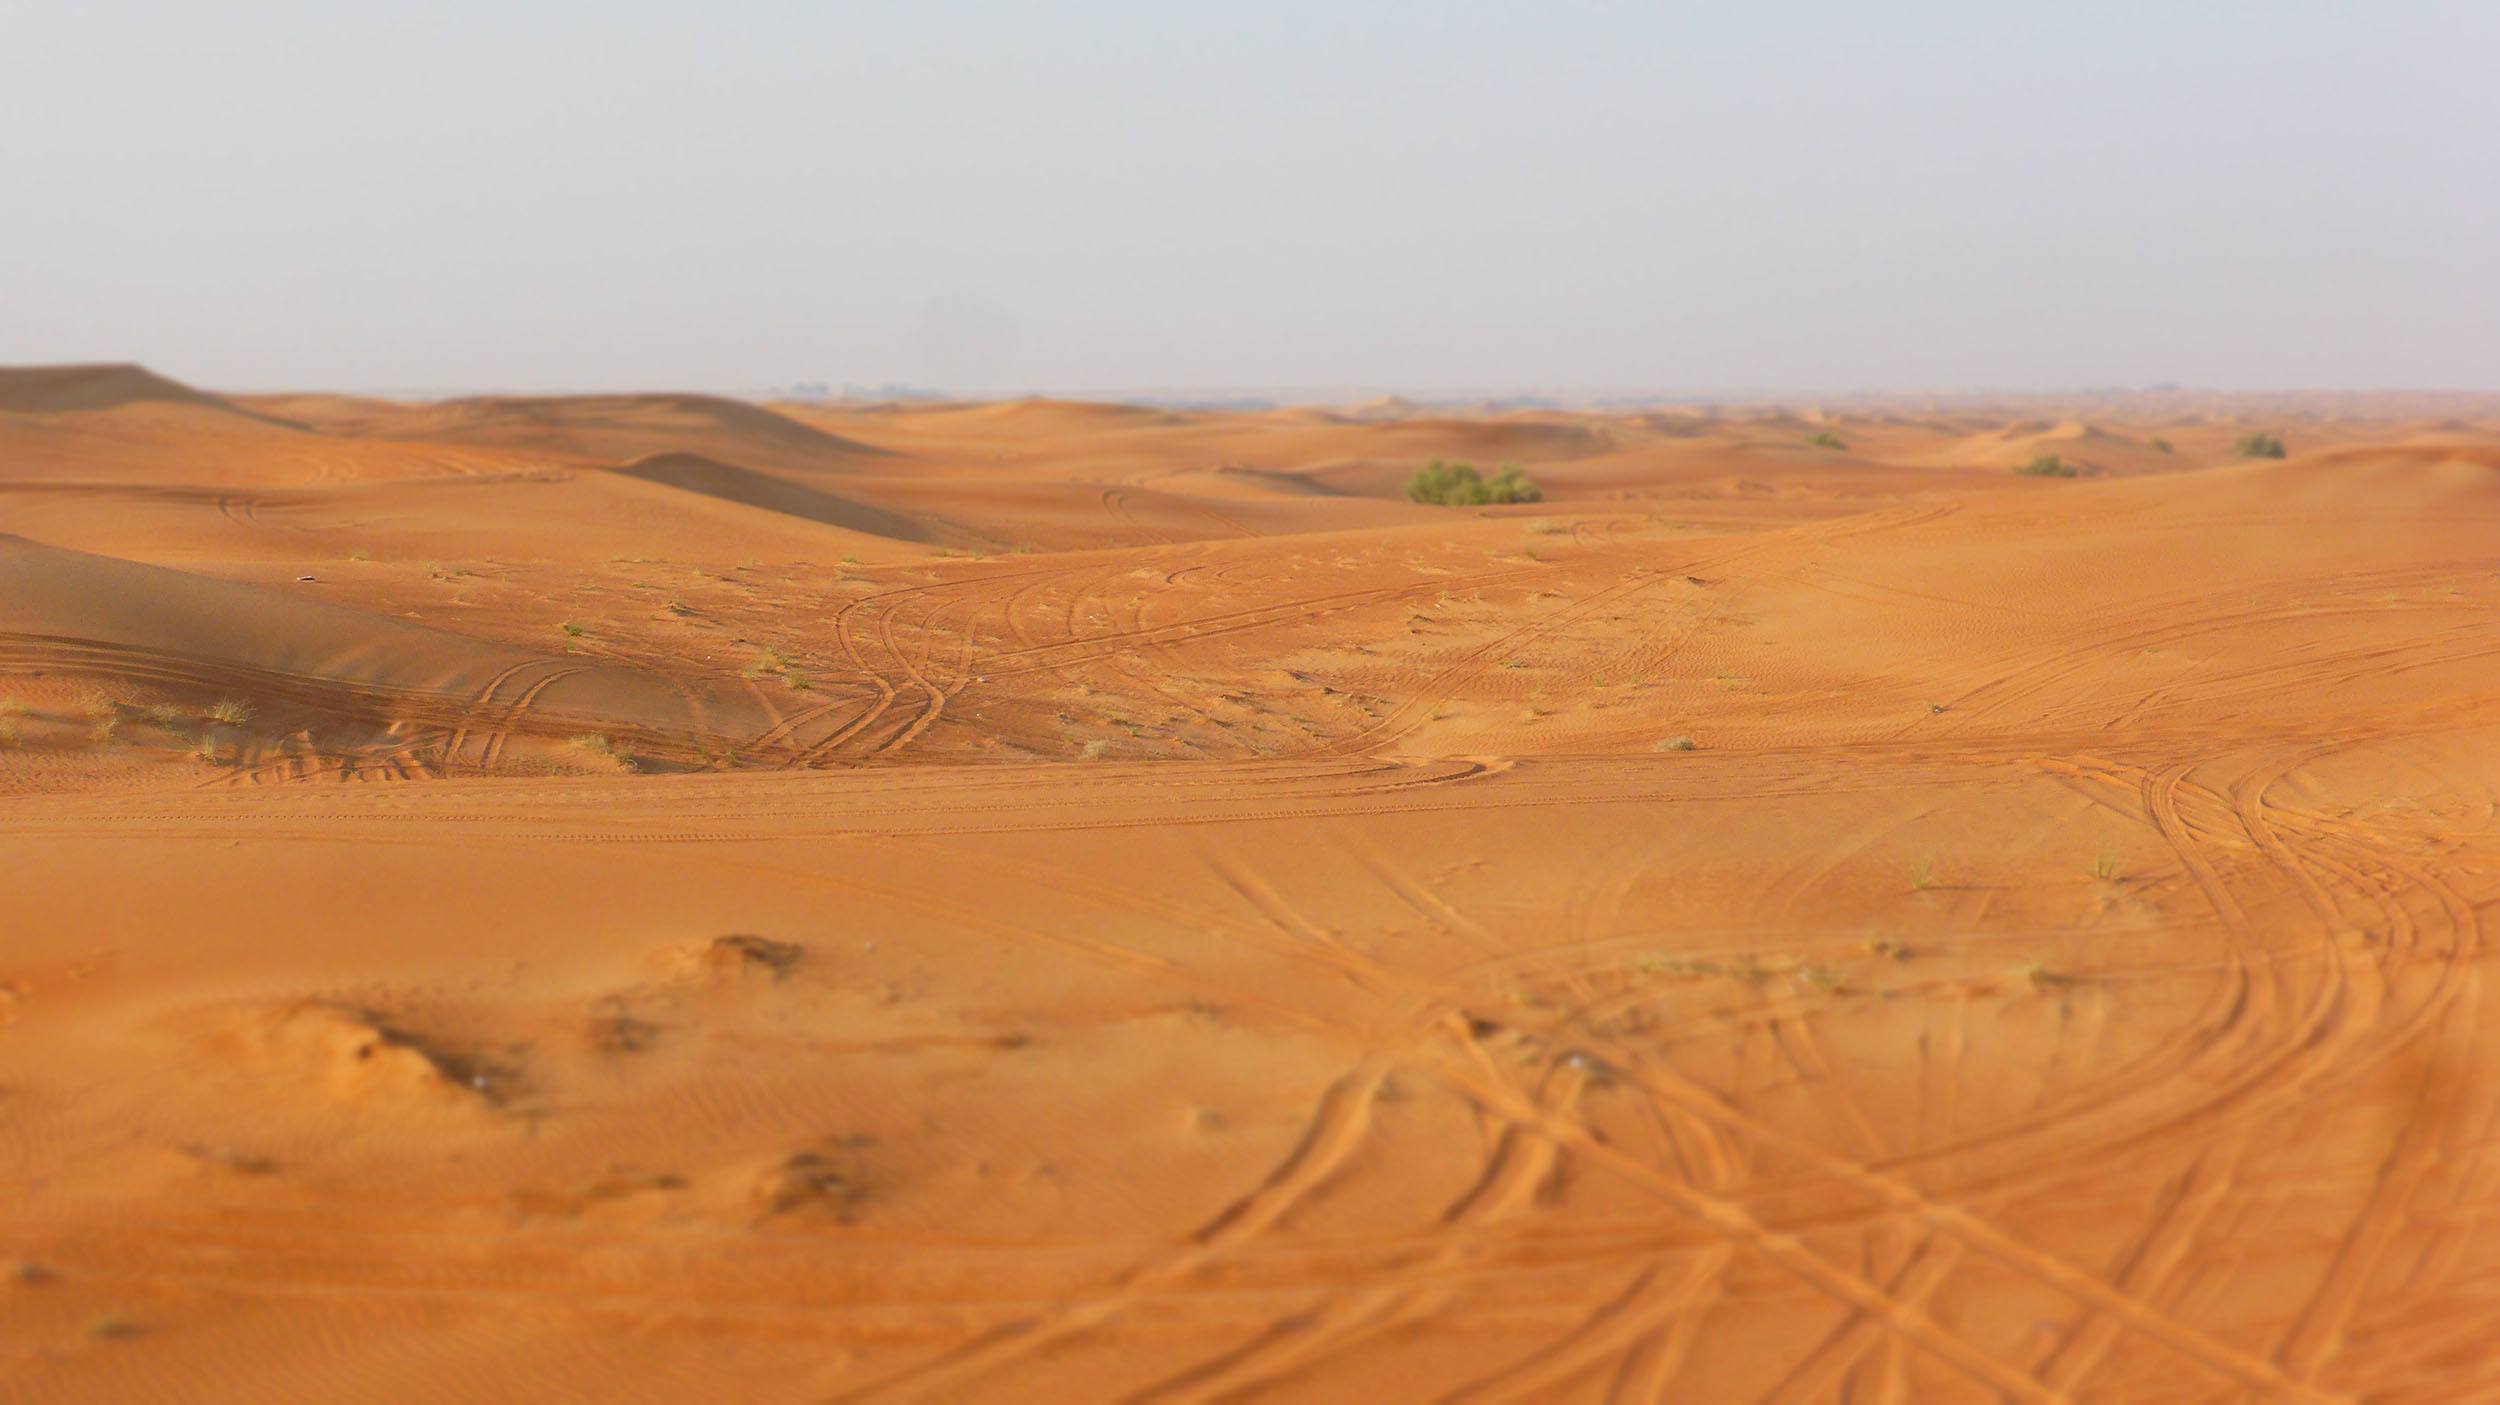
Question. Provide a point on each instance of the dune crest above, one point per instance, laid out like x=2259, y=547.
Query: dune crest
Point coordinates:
x=730, y=483
x=58, y=390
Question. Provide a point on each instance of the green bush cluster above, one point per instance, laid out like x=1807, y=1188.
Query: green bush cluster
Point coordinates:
x=1460, y=485
x=2049, y=466
x=1825, y=439
x=2258, y=446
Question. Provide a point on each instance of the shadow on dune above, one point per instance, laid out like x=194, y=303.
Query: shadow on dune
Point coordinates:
x=694, y=473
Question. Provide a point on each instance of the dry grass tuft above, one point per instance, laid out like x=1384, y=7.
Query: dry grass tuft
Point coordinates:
x=619, y=752
x=2042, y=978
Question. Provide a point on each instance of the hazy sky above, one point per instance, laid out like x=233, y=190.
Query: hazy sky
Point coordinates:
x=1563, y=194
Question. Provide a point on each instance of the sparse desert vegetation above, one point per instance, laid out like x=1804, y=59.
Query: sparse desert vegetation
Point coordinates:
x=605, y=748
x=2040, y=977
x=1461, y=485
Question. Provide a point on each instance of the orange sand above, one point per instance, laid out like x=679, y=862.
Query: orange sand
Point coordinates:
x=1023, y=902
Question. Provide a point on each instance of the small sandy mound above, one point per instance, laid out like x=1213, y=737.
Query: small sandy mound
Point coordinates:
x=357, y=1056
x=2076, y=442
x=738, y=957
x=826, y=1180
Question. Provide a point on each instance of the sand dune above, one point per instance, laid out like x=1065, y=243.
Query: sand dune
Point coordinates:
x=611, y=428
x=1049, y=901
x=2088, y=448
x=1041, y=414
x=53, y=390
x=1528, y=439
x=729, y=482
x=101, y=639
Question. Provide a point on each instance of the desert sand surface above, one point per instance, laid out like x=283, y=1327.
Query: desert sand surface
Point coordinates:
x=665, y=898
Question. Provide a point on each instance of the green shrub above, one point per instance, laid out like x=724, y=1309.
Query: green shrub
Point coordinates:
x=1460, y=485
x=2161, y=443
x=1825, y=439
x=2048, y=466
x=2258, y=446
